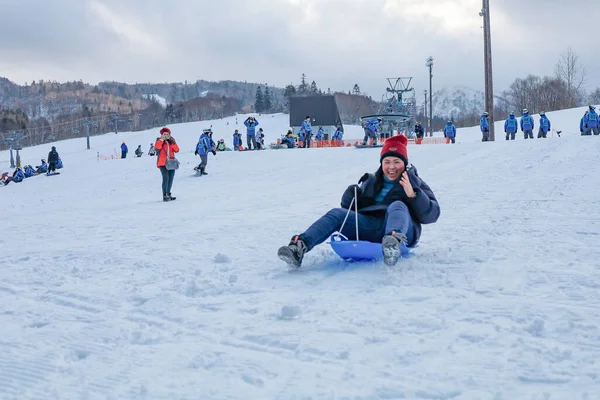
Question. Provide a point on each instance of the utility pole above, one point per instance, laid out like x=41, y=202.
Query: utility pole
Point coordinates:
x=87, y=123
x=487, y=59
x=430, y=65
x=12, y=159
x=115, y=118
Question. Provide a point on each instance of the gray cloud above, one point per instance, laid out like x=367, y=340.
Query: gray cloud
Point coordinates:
x=335, y=42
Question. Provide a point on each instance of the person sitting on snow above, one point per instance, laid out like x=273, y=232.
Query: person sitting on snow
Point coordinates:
x=221, y=145
x=151, y=151
x=288, y=140
x=28, y=171
x=138, y=151
x=42, y=169
x=393, y=203
x=18, y=175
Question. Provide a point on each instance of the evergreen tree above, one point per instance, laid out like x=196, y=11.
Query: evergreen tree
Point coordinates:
x=313, y=87
x=303, y=87
x=259, y=102
x=267, y=102
x=288, y=92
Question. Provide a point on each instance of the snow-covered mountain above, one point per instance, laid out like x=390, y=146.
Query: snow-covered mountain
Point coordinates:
x=457, y=100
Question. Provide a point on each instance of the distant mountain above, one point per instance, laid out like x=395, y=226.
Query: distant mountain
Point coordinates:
x=457, y=101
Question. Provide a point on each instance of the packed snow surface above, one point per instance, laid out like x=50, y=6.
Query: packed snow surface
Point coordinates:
x=106, y=292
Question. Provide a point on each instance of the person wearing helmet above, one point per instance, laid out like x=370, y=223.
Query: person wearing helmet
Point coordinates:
x=43, y=168
x=484, y=126
x=527, y=124
x=450, y=132
x=591, y=122
x=511, y=125
x=544, y=126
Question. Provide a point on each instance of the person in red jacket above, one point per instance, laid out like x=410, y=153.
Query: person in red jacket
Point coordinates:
x=166, y=147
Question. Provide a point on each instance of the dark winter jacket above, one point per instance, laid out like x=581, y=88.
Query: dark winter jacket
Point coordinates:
x=53, y=157
x=419, y=131
x=424, y=209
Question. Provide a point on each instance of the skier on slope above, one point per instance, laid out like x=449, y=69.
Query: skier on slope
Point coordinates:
x=392, y=205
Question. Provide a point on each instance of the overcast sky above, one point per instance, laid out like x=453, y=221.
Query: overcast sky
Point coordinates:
x=335, y=42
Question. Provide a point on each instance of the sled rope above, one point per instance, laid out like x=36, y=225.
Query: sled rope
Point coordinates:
x=355, y=202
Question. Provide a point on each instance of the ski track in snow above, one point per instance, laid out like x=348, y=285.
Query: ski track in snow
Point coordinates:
x=108, y=293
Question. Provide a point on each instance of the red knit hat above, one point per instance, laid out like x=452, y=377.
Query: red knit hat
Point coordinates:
x=165, y=129
x=396, y=147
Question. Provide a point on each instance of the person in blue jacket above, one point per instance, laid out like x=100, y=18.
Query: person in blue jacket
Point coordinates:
x=450, y=131
x=484, y=126
x=371, y=129
x=306, y=130
x=527, y=124
x=582, y=124
x=319, y=135
x=29, y=171
x=591, y=122
x=392, y=205
x=43, y=168
x=338, y=134
x=251, y=124
x=544, y=126
x=237, y=140
x=288, y=140
x=18, y=175
x=124, y=150
x=203, y=147
x=511, y=126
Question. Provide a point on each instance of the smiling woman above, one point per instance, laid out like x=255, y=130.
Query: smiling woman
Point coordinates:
x=392, y=204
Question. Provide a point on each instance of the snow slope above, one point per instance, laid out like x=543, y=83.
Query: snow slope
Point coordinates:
x=106, y=292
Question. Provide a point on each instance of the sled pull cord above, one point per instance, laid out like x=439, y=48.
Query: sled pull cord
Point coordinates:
x=355, y=202
x=356, y=212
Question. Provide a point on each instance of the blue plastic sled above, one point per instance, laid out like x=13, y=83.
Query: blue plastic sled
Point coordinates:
x=359, y=250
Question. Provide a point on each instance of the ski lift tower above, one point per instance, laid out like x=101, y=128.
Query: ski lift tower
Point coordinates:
x=398, y=109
